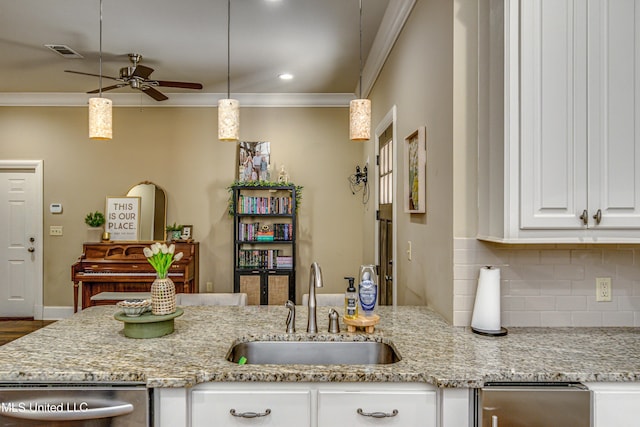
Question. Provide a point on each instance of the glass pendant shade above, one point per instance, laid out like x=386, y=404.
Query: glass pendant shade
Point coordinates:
x=360, y=120
x=228, y=120
x=100, y=125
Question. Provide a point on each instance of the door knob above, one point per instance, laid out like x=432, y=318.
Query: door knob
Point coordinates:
x=31, y=249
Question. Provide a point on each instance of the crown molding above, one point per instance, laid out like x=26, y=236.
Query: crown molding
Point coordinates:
x=50, y=99
x=393, y=21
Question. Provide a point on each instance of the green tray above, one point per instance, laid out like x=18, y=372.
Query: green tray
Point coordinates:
x=148, y=325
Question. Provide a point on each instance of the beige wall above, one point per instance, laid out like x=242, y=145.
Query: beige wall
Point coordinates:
x=177, y=148
x=418, y=78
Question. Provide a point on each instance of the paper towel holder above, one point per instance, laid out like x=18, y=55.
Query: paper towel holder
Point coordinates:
x=500, y=331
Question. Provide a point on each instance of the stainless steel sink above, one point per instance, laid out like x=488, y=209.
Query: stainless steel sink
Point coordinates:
x=314, y=352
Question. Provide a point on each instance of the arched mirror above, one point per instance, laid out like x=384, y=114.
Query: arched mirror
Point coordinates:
x=153, y=210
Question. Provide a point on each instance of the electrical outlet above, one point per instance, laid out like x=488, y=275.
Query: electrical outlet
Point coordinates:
x=209, y=286
x=603, y=289
x=55, y=230
x=409, y=250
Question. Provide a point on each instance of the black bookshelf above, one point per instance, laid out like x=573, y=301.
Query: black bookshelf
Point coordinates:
x=264, y=236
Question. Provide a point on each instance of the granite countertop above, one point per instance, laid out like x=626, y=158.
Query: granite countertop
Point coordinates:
x=91, y=347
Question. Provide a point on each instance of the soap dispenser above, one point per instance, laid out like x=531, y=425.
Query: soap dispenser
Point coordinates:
x=368, y=289
x=350, y=300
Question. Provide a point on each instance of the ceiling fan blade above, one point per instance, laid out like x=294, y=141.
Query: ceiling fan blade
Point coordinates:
x=184, y=85
x=157, y=95
x=89, y=74
x=142, y=71
x=104, y=89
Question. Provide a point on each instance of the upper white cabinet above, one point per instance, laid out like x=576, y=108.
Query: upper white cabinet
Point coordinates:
x=559, y=121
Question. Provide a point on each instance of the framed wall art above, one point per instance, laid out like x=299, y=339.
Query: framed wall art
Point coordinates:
x=415, y=159
x=123, y=218
x=187, y=232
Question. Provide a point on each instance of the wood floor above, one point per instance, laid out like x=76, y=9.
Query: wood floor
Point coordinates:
x=13, y=329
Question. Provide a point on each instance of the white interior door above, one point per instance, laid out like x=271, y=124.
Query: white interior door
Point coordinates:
x=20, y=239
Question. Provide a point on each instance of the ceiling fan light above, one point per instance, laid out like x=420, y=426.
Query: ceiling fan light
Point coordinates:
x=228, y=120
x=360, y=120
x=100, y=119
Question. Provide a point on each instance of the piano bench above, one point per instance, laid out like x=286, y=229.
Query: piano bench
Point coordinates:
x=113, y=297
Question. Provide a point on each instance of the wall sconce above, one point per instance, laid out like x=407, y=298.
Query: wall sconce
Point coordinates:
x=358, y=181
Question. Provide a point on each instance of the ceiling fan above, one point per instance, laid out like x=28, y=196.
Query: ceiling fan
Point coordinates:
x=137, y=77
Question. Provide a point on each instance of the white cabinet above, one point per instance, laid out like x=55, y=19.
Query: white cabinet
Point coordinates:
x=615, y=404
x=234, y=405
x=559, y=149
x=366, y=406
x=310, y=405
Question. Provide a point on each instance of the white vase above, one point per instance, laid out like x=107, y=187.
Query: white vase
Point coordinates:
x=163, y=296
x=94, y=234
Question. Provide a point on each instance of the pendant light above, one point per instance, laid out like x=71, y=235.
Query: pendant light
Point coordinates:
x=360, y=109
x=100, y=117
x=228, y=109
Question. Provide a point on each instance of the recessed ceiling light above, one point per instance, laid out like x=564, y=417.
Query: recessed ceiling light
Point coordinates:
x=285, y=76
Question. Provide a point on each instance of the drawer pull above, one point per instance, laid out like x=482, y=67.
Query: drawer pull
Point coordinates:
x=377, y=414
x=598, y=216
x=250, y=414
x=585, y=217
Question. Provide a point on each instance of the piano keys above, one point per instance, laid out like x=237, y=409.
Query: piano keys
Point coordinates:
x=122, y=267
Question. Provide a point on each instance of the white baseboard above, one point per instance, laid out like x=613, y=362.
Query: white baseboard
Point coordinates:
x=57, y=313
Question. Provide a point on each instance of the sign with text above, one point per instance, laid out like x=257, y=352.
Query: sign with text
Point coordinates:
x=123, y=217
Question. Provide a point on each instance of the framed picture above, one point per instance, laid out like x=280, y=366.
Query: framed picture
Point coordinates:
x=254, y=159
x=123, y=218
x=415, y=159
x=187, y=232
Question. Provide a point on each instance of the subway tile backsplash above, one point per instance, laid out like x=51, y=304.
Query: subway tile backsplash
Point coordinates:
x=550, y=285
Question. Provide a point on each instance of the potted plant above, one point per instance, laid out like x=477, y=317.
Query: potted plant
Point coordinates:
x=174, y=231
x=95, y=221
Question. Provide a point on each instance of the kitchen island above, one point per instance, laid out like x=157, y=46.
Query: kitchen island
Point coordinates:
x=91, y=347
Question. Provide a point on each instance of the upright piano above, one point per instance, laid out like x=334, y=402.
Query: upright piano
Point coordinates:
x=122, y=267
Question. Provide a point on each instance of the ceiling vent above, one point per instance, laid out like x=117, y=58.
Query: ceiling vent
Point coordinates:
x=65, y=51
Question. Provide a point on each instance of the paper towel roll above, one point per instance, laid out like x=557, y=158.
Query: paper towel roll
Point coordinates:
x=486, y=310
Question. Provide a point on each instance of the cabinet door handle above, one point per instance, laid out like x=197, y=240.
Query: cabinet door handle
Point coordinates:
x=494, y=421
x=377, y=414
x=250, y=414
x=598, y=216
x=585, y=217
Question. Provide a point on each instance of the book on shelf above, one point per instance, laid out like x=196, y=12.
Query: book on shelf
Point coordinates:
x=251, y=232
x=264, y=236
x=263, y=258
x=264, y=205
x=284, y=261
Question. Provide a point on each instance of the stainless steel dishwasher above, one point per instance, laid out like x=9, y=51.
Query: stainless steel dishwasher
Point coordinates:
x=510, y=404
x=78, y=405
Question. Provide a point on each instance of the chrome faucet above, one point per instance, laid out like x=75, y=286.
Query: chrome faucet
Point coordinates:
x=291, y=317
x=315, y=281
